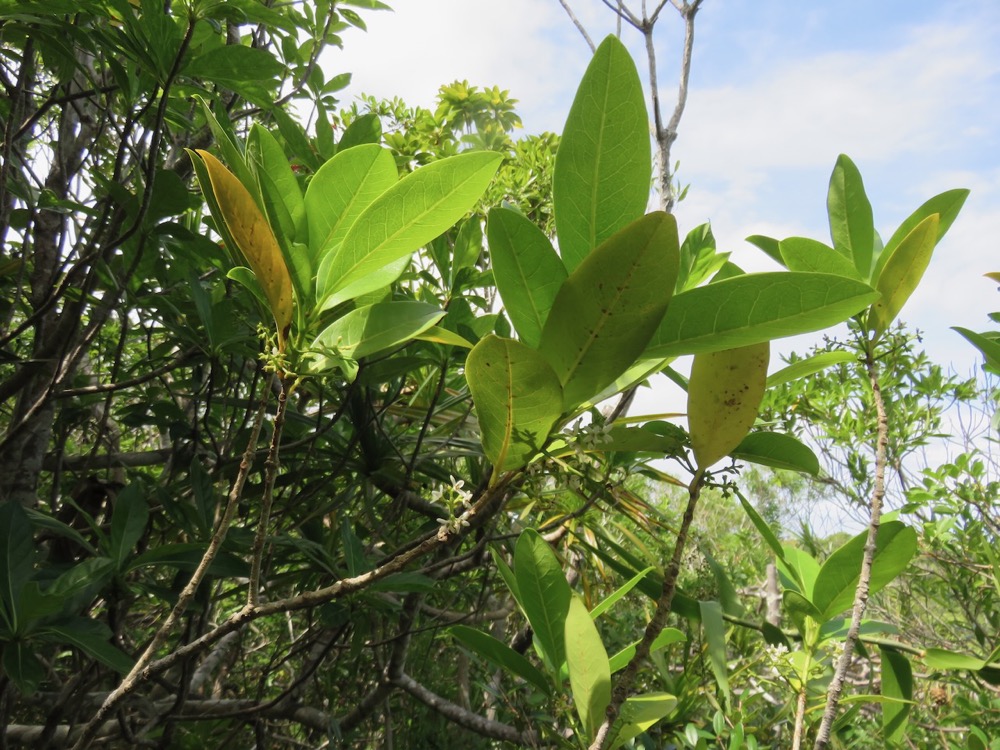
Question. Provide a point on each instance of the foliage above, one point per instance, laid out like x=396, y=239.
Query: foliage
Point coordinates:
x=413, y=322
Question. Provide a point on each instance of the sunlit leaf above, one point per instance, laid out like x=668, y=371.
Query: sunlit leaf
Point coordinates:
x=852, y=227
x=527, y=271
x=606, y=311
x=603, y=167
x=517, y=396
x=404, y=218
x=375, y=328
x=902, y=272
x=757, y=307
x=777, y=450
x=587, y=663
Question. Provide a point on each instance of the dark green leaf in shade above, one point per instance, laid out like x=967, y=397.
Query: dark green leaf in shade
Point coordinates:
x=897, y=682
x=501, y=655
x=17, y=554
x=714, y=627
x=128, y=523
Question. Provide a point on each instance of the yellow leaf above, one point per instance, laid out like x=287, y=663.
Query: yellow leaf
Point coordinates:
x=724, y=394
x=253, y=236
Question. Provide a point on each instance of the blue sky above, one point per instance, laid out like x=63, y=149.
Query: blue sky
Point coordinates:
x=909, y=89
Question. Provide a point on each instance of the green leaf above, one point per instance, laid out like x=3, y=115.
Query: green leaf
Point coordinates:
x=639, y=713
x=518, y=399
x=800, y=567
x=988, y=347
x=527, y=271
x=666, y=637
x=337, y=194
x=714, y=628
x=839, y=575
x=852, y=227
x=587, y=663
x=603, y=168
x=897, y=683
x=809, y=366
x=946, y=205
x=91, y=637
x=267, y=155
x=17, y=560
x=902, y=272
x=439, y=335
x=22, y=666
x=501, y=655
x=812, y=256
x=765, y=531
x=799, y=607
x=509, y=579
x=757, y=307
x=362, y=130
x=609, y=602
x=769, y=245
x=943, y=659
x=249, y=71
x=405, y=217
x=128, y=523
x=777, y=450
x=375, y=328
x=544, y=595
x=609, y=307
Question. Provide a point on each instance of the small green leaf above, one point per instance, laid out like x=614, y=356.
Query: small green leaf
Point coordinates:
x=610, y=306
x=405, y=217
x=714, y=628
x=769, y=245
x=527, y=271
x=852, y=227
x=17, y=555
x=757, y=307
x=939, y=658
x=363, y=130
x=809, y=366
x=897, y=683
x=902, y=273
x=666, y=637
x=376, y=328
x=518, y=399
x=839, y=575
x=812, y=256
x=128, y=523
x=609, y=602
x=603, y=167
x=987, y=346
x=800, y=567
x=91, y=637
x=501, y=655
x=765, y=531
x=22, y=666
x=544, y=595
x=946, y=205
x=639, y=713
x=777, y=450
x=587, y=663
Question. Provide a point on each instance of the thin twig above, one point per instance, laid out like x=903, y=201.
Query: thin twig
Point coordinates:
x=579, y=26
x=864, y=580
x=135, y=675
x=623, y=686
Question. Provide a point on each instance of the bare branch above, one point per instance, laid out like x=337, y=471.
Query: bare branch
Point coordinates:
x=579, y=26
x=474, y=722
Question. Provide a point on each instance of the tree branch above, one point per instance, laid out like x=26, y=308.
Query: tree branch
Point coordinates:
x=579, y=26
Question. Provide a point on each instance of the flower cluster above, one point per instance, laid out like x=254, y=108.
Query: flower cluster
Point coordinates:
x=457, y=499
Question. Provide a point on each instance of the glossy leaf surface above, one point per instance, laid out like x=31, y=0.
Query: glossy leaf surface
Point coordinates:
x=587, y=663
x=544, y=595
